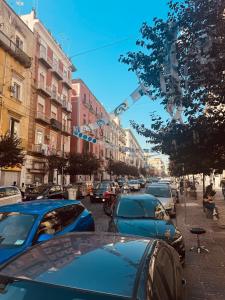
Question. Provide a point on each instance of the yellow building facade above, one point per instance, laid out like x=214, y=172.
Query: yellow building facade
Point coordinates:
x=16, y=50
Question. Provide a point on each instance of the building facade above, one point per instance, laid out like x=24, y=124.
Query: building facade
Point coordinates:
x=134, y=157
x=16, y=51
x=50, y=117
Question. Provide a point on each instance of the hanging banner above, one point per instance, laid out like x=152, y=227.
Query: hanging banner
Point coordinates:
x=83, y=136
x=120, y=109
x=138, y=93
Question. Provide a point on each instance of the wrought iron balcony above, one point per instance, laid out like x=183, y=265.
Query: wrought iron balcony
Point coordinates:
x=56, y=70
x=67, y=82
x=56, y=124
x=42, y=87
x=46, y=60
x=8, y=45
x=56, y=97
x=40, y=116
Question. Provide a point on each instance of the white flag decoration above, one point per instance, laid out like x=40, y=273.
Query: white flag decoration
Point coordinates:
x=178, y=114
x=138, y=93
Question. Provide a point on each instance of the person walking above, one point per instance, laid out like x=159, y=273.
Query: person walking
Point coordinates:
x=222, y=184
x=23, y=189
x=209, y=189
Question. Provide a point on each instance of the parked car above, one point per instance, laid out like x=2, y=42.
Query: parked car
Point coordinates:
x=98, y=194
x=121, y=182
x=163, y=192
x=25, y=224
x=94, y=267
x=144, y=215
x=9, y=195
x=142, y=182
x=174, y=189
x=45, y=191
x=134, y=185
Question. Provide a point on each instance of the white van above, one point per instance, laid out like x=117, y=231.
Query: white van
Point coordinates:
x=9, y=195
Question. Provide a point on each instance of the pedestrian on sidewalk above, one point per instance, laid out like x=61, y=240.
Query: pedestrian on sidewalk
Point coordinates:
x=209, y=204
x=209, y=189
x=222, y=184
x=22, y=190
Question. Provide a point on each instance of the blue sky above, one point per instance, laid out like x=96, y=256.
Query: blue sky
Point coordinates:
x=81, y=25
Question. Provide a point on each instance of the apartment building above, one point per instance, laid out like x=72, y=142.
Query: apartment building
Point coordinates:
x=50, y=117
x=16, y=51
x=135, y=155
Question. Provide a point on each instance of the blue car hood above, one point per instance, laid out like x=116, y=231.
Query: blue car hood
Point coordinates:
x=146, y=227
x=7, y=253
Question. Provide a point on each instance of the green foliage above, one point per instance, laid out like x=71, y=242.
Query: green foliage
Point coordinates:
x=82, y=164
x=120, y=168
x=10, y=151
x=58, y=163
x=195, y=31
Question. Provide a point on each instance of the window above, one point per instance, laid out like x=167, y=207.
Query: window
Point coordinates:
x=50, y=224
x=164, y=284
x=2, y=193
x=19, y=42
x=39, y=137
x=16, y=91
x=42, y=79
x=53, y=115
x=40, y=107
x=14, y=127
x=43, y=51
x=11, y=191
x=69, y=214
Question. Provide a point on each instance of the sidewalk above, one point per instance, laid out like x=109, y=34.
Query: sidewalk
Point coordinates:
x=205, y=272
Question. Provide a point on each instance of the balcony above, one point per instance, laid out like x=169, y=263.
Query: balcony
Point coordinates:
x=56, y=124
x=46, y=60
x=43, y=88
x=66, y=129
x=56, y=70
x=67, y=105
x=67, y=82
x=56, y=97
x=8, y=45
x=40, y=116
x=39, y=148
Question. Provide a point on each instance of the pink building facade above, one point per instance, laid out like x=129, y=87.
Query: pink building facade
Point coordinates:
x=87, y=109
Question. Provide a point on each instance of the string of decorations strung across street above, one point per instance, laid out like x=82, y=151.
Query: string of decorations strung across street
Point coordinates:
x=80, y=131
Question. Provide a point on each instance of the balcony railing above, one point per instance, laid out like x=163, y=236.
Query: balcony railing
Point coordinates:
x=67, y=82
x=56, y=70
x=66, y=129
x=46, y=59
x=67, y=105
x=42, y=117
x=40, y=148
x=8, y=45
x=41, y=86
x=56, y=97
x=56, y=124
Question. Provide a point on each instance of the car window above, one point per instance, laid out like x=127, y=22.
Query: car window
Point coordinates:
x=2, y=193
x=136, y=208
x=58, y=188
x=50, y=223
x=52, y=190
x=164, y=283
x=158, y=191
x=68, y=215
x=14, y=228
x=11, y=191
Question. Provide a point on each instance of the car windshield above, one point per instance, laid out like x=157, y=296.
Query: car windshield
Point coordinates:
x=38, y=189
x=103, y=186
x=158, y=191
x=26, y=290
x=14, y=228
x=136, y=208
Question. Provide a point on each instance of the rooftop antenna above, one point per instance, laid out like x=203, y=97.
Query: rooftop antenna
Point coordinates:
x=20, y=4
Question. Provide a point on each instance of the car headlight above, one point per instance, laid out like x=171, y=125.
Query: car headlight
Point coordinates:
x=177, y=236
x=39, y=197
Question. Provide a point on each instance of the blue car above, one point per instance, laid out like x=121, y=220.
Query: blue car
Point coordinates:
x=25, y=224
x=144, y=215
x=94, y=266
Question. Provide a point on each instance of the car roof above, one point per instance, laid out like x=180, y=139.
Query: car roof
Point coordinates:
x=101, y=262
x=38, y=207
x=159, y=185
x=147, y=197
x=7, y=186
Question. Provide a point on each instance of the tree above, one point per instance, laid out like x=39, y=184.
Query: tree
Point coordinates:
x=10, y=151
x=182, y=62
x=82, y=164
x=56, y=163
x=143, y=171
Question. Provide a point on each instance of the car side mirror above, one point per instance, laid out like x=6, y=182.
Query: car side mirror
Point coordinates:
x=44, y=237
